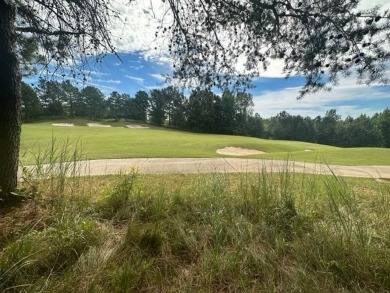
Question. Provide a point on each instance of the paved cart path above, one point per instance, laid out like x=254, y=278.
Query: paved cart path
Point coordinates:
x=227, y=165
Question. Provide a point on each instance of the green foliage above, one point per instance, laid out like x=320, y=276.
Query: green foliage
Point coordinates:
x=361, y=131
x=203, y=111
x=384, y=126
x=116, y=105
x=158, y=105
x=141, y=102
x=42, y=253
x=255, y=126
x=91, y=103
x=31, y=106
x=235, y=41
x=70, y=99
x=207, y=233
x=116, y=202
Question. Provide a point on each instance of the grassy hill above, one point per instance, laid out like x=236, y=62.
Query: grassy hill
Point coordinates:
x=121, y=142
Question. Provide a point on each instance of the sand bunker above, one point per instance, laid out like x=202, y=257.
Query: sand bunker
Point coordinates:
x=236, y=151
x=307, y=150
x=98, y=125
x=136, y=126
x=63, y=124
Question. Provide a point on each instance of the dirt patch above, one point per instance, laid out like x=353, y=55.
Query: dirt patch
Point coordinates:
x=98, y=125
x=135, y=126
x=237, y=151
x=63, y=124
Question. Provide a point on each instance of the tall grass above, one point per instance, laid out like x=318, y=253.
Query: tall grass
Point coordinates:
x=62, y=163
x=253, y=232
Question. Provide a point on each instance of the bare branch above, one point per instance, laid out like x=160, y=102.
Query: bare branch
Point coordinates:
x=45, y=32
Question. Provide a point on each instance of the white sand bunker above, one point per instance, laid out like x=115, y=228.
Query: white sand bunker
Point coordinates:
x=236, y=151
x=307, y=150
x=136, y=126
x=98, y=125
x=63, y=124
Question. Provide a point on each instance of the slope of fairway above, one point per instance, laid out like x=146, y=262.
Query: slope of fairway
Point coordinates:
x=119, y=142
x=340, y=156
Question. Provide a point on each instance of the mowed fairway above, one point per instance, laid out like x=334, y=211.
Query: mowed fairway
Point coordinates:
x=120, y=142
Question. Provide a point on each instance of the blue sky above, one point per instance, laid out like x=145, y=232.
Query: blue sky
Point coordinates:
x=142, y=68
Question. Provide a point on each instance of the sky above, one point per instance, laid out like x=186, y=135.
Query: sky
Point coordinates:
x=144, y=61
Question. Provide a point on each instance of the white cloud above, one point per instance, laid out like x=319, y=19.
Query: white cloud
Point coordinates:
x=157, y=76
x=135, y=30
x=153, y=87
x=275, y=69
x=105, y=89
x=344, y=98
x=368, y=4
x=108, y=81
x=99, y=73
x=135, y=78
x=136, y=67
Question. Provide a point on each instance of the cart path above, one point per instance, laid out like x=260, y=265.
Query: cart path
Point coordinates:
x=225, y=165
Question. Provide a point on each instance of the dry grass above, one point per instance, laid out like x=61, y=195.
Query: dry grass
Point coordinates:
x=260, y=232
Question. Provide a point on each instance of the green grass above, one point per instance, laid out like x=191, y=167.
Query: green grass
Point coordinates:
x=119, y=142
x=249, y=232
x=254, y=232
x=340, y=156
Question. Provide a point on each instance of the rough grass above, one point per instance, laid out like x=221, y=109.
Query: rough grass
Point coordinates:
x=254, y=232
x=120, y=142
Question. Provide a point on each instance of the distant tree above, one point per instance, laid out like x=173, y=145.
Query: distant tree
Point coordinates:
x=310, y=132
x=130, y=110
x=70, y=97
x=51, y=96
x=292, y=127
x=176, y=106
x=360, y=132
x=228, y=112
x=31, y=106
x=243, y=105
x=254, y=126
x=116, y=104
x=158, y=107
x=384, y=126
x=219, y=119
x=167, y=104
x=201, y=111
x=141, y=104
x=326, y=127
x=279, y=127
x=79, y=106
x=93, y=100
x=302, y=129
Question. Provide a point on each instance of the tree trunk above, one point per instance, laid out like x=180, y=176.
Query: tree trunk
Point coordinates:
x=9, y=103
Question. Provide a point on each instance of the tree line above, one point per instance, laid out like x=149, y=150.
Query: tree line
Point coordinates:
x=202, y=111
x=363, y=131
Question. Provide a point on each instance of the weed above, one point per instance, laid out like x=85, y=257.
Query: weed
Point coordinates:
x=254, y=232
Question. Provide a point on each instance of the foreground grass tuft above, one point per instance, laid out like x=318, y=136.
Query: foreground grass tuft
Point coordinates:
x=260, y=232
